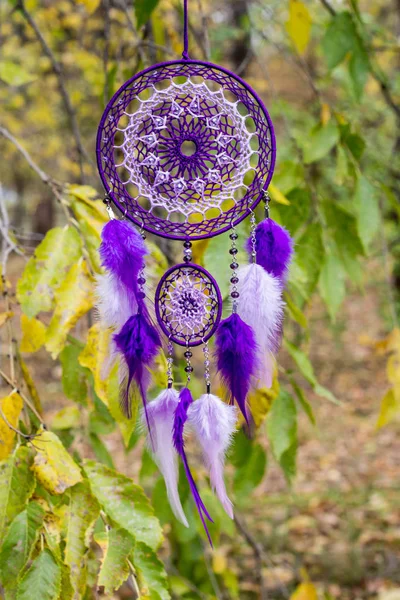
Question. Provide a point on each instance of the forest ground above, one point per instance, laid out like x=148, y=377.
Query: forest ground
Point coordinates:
x=341, y=520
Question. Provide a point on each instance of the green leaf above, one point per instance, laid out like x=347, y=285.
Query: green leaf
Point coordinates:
x=16, y=485
x=339, y=38
x=297, y=213
x=359, y=67
x=74, y=376
x=353, y=141
x=67, y=418
x=332, y=284
x=309, y=257
x=115, y=568
x=306, y=406
x=282, y=432
x=343, y=227
x=306, y=369
x=295, y=312
x=368, y=214
x=14, y=74
x=80, y=516
x=43, y=580
x=46, y=269
x=320, y=141
x=151, y=573
x=143, y=10
x=124, y=502
x=219, y=246
x=18, y=544
x=251, y=473
x=100, y=450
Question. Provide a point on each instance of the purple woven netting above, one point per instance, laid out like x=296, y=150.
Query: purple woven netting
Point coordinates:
x=185, y=149
x=188, y=305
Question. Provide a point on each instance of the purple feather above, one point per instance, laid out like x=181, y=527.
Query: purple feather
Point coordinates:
x=139, y=343
x=122, y=252
x=236, y=353
x=180, y=418
x=274, y=248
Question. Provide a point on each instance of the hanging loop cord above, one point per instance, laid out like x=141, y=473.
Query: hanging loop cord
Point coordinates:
x=185, y=53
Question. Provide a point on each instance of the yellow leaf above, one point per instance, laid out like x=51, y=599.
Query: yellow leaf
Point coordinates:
x=67, y=417
x=219, y=562
x=125, y=425
x=277, y=195
x=30, y=385
x=198, y=249
x=299, y=25
x=90, y=5
x=94, y=355
x=11, y=407
x=73, y=299
x=33, y=334
x=305, y=591
x=53, y=466
x=5, y=316
x=390, y=409
x=260, y=401
x=325, y=113
x=159, y=371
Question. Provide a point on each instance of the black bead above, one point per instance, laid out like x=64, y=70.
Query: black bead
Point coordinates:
x=143, y=236
x=233, y=236
x=188, y=369
x=187, y=244
x=141, y=281
x=235, y=295
x=234, y=280
x=187, y=258
x=234, y=266
x=188, y=354
x=233, y=251
x=141, y=295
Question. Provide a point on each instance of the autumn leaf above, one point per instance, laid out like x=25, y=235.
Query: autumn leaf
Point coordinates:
x=299, y=25
x=11, y=407
x=53, y=466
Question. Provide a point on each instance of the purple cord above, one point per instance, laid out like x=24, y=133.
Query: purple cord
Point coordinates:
x=185, y=53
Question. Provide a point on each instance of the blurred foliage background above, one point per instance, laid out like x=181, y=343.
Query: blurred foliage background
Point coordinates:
x=83, y=511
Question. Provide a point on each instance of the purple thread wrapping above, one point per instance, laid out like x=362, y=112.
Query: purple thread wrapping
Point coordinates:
x=188, y=304
x=167, y=153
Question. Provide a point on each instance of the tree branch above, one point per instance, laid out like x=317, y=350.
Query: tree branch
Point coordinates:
x=258, y=555
x=82, y=154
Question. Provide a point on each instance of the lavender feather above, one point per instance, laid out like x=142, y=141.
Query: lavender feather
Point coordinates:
x=274, y=248
x=236, y=353
x=139, y=343
x=180, y=418
x=122, y=252
x=160, y=413
x=214, y=423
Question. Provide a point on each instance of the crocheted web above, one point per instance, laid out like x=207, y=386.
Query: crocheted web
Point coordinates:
x=188, y=305
x=185, y=156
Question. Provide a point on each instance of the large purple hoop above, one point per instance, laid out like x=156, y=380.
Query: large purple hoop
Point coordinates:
x=129, y=206
x=214, y=310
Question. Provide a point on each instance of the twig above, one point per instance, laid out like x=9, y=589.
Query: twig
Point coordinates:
x=258, y=555
x=211, y=575
x=82, y=154
x=11, y=383
x=133, y=580
x=43, y=176
x=26, y=436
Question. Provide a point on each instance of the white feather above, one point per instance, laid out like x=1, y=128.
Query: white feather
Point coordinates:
x=214, y=423
x=114, y=302
x=260, y=305
x=161, y=417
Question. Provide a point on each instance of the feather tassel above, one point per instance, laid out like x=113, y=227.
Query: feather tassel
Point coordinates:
x=214, y=423
x=274, y=248
x=160, y=414
x=139, y=343
x=236, y=353
x=180, y=418
x=122, y=252
x=261, y=307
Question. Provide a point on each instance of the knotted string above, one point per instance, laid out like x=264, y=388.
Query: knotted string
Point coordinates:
x=185, y=53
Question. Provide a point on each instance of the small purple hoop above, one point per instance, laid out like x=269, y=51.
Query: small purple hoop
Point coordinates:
x=129, y=206
x=213, y=318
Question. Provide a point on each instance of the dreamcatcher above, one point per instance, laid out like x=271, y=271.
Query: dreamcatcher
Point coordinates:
x=186, y=151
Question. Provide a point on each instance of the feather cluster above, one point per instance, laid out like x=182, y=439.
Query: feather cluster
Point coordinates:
x=160, y=415
x=180, y=418
x=236, y=354
x=274, y=248
x=214, y=423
